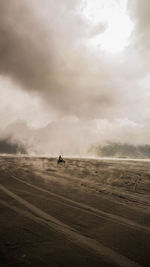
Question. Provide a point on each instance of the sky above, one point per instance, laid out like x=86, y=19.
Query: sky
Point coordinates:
x=74, y=73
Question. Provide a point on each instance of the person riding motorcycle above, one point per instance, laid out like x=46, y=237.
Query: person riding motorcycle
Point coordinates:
x=60, y=159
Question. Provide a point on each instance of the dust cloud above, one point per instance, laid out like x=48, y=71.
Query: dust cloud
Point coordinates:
x=84, y=94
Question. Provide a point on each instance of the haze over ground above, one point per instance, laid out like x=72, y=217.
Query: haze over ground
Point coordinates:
x=73, y=73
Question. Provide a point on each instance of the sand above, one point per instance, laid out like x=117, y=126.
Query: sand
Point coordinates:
x=85, y=212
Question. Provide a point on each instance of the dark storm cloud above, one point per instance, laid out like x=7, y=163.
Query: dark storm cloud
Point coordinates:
x=42, y=49
x=7, y=146
x=88, y=95
x=22, y=50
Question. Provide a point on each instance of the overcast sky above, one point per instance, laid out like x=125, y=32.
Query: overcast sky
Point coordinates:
x=74, y=72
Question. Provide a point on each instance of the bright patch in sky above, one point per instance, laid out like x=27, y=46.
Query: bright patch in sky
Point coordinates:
x=113, y=15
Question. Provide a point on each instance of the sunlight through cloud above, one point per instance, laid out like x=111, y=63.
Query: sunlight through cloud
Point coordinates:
x=114, y=15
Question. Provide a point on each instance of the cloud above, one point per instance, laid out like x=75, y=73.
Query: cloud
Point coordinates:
x=71, y=136
x=98, y=29
x=118, y=150
x=42, y=48
x=58, y=93
x=140, y=11
x=7, y=146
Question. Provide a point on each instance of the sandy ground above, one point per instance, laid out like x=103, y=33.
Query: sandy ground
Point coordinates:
x=81, y=213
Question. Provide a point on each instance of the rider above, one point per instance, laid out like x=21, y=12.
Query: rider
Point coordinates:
x=60, y=159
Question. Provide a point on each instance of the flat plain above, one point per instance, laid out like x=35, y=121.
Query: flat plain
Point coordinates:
x=86, y=212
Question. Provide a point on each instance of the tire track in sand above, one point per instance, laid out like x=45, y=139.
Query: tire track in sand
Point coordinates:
x=24, y=213
x=107, y=189
x=72, y=235
x=89, y=209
